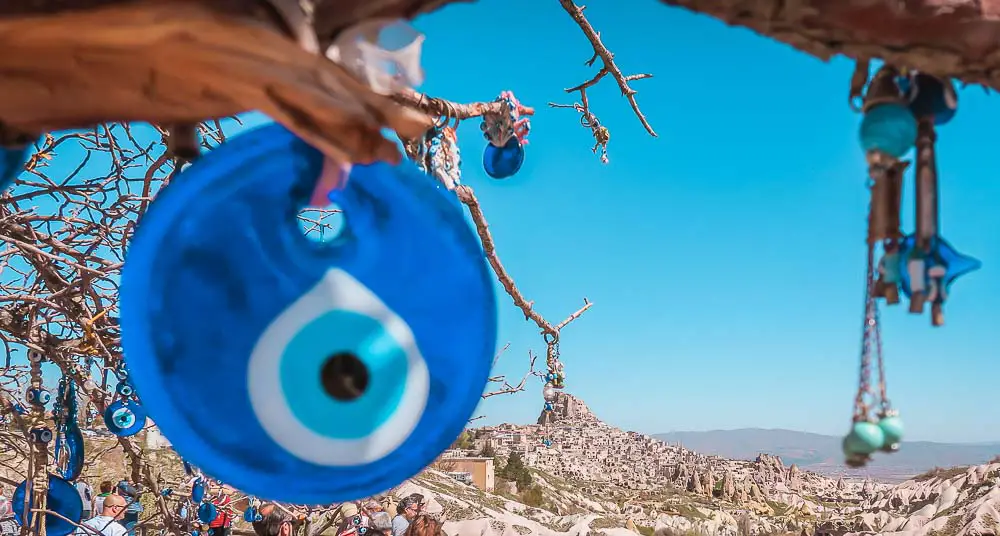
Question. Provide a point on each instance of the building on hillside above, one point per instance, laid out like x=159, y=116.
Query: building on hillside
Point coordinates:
x=154, y=439
x=481, y=470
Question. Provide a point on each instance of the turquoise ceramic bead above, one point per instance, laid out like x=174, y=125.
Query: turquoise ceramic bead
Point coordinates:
x=864, y=438
x=889, y=128
x=892, y=431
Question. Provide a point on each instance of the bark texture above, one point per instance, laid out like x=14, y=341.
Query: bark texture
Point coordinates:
x=952, y=38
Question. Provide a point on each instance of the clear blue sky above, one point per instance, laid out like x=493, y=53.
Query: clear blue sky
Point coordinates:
x=725, y=258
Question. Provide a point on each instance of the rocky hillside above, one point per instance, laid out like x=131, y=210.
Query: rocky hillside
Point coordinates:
x=584, y=448
x=962, y=501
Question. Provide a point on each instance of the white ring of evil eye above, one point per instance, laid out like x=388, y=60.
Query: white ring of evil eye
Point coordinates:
x=337, y=290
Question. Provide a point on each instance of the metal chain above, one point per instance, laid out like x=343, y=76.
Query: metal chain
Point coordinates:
x=883, y=397
x=869, y=328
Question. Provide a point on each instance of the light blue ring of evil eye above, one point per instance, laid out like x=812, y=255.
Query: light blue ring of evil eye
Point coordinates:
x=123, y=417
x=304, y=357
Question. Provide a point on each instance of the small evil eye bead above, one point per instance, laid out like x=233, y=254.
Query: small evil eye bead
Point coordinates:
x=124, y=418
x=37, y=396
x=124, y=389
x=166, y=492
x=41, y=435
x=548, y=406
x=35, y=356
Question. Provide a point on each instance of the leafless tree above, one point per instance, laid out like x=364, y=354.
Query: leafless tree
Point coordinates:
x=65, y=228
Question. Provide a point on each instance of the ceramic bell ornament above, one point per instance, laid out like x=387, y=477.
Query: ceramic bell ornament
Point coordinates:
x=506, y=134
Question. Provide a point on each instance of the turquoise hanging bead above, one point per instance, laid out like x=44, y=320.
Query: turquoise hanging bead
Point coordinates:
x=889, y=128
x=863, y=439
x=892, y=431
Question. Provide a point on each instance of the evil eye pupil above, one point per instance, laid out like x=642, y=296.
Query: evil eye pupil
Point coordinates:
x=344, y=376
x=337, y=379
x=123, y=418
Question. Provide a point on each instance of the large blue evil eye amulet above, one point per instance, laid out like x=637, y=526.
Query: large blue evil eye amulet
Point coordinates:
x=349, y=365
x=61, y=498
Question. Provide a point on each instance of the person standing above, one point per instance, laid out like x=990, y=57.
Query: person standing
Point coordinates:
x=408, y=509
x=86, y=497
x=107, y=522
x=223, y=522
x=132, y=494
x=105, y=490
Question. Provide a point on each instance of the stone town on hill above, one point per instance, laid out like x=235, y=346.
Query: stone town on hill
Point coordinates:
x=587, y=450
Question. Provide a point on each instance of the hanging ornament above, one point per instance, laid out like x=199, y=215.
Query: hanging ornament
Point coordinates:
x=69, y=449
x=198, y=490
x=444, y=160
x=15, y=149
x=61, y=499
x=929, y=265
x=252, y=513
x=930, y=96
x=37, y=396
x=363, y=358
x=867, y=434
x=507, y=133
x=207, y=512
x=888, y=126
x=125, y=416
x=549, y=393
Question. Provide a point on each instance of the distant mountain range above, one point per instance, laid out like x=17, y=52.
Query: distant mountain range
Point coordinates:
x=821, y=453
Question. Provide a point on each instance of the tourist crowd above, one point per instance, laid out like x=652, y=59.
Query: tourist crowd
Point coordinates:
x=115, y=511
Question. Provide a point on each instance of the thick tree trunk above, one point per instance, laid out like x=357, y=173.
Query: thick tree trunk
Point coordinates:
x=954, y=38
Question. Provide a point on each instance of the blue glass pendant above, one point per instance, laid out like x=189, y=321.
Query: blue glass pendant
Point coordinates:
x=198, y=491
x=71, y=447
x=207, y=512
x=954, y=263
x=503, y=162
x=12, y=164
x=62, y=498
x=931, y=96
x=362, y=358
x=124, y=418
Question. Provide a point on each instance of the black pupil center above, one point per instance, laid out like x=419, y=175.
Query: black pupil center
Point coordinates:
x=344, y=376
